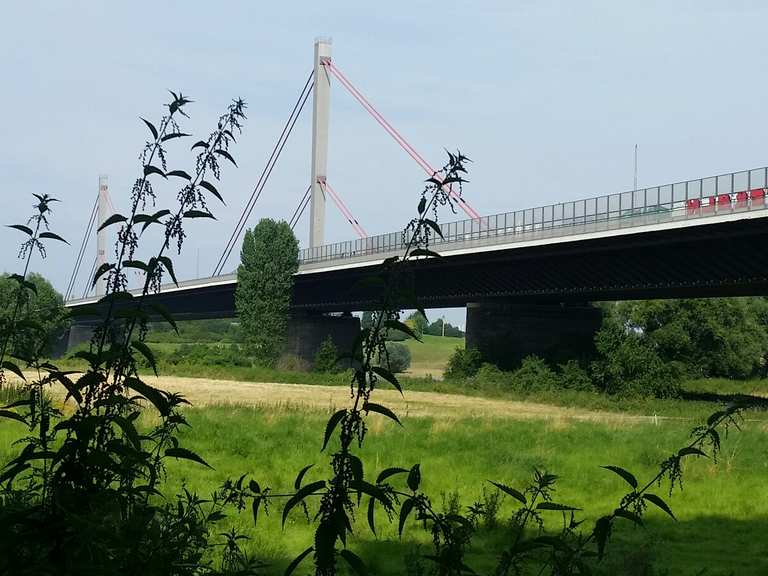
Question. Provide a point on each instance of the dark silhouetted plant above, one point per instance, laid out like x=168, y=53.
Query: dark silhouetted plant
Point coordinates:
x=83, y=494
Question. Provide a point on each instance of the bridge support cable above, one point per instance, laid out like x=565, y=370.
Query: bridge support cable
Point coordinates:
x=81, y=251
x=346, y=212
x=265, y=174
x=365, y=103
x=300, y=208
x=89, y=279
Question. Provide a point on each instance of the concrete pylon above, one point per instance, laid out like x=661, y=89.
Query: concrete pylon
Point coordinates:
x=320, y=112
x=101, y=235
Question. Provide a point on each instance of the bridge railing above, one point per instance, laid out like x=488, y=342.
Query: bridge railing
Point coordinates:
x=700, y=198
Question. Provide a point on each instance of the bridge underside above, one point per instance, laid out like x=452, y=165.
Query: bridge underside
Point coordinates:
x=725, y=259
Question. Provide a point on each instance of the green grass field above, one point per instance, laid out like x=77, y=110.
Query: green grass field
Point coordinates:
x=722, y=512
x=430, y=356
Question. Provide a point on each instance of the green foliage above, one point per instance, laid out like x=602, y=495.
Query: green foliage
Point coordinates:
x=463, y=363
x=574, y=377
x=204, y=355
x=193, y=331
x=326, y=358
x=711, y=337
x=269, y=258
x=82, y=494
x=629, y=364
x=42, y=307
x=436, y=329
x=418, y=323
x=397, y=357
x=534, y=374
x=366, y=322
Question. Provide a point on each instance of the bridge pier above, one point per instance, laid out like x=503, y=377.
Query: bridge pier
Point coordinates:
x=506, y=333
x=307, y=330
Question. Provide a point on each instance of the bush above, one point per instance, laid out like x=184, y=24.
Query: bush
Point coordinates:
x=490, y=375
x=534, y=374
x=574, y=377
x=629, y=365
x=326, y=357
x=463, y=363
x=292, y=363
x=203, y=354
x=398, y=358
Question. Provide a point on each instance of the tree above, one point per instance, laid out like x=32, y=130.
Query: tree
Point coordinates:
x=43, y=307
x=436, y=329
x=327, y=357
x=269, y=258
x=725, y=337
x=418, y=323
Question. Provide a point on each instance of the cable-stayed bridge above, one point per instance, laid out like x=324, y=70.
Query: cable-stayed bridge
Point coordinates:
x=531, y=270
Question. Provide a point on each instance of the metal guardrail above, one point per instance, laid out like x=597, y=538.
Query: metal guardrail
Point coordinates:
x=732, y=192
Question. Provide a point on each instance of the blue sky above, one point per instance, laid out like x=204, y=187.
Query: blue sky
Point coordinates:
x=547, y=98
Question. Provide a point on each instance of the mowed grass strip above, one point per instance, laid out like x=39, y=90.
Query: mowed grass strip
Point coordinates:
x=722, y=512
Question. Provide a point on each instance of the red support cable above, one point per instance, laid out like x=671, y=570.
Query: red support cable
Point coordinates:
x=471, y=212
x=343, y=209
x=361, y=231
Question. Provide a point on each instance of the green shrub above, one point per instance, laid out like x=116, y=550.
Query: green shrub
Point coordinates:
x=534, y=374
x=630, y=365
x=574, y=377
x=326, y=357
x=489, y=375
x=398, y=357
x=292, y=363
x=463, y=363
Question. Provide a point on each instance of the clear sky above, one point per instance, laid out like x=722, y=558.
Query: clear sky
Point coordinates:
x=547, y=98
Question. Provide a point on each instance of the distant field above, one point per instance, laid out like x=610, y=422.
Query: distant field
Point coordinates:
x=722, y=513
x=430, y=356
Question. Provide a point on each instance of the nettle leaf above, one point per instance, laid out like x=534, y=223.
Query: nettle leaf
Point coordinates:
x=149, y=169
x=114, y=219
x=628, y=476
x=660, y=503
x=388, y=376
x=185, y=454
x=631, y=516
x=414, y=477
x=212, y=189
x=397, y=325
x=130, y=431
x=300, y=476
x=151, y=128
x=333, y=421
x=53, y=236
x=165, y=315
x=198, y=214
x=405, y=510
x=26, y=229
x=422, y=205
x=425, y=252
x=179, y=174
x=517, y=495
x=300, y=495
x=296, y=561
x=372, y=515
x=103, y=269
x=12, y=416
x=354, y=561
x=384, y=474
x=199, y=144
x=136, y=264
x=146, y=351
x=555, y=506
x=155, y=396
x=226, y=155
x=8, y=365
x=173, y=135
x=690, y=450
x=602, y=532
x=168, y=263
x=383, y=410
x=432, y=224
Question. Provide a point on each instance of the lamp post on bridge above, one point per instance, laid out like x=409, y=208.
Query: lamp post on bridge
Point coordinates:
x=320, y=111
x=101, y=235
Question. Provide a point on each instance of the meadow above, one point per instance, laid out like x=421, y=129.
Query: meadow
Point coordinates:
x=722, y=510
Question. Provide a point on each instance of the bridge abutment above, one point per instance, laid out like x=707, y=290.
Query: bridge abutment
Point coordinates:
x=506, y=333
x=306, y=332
